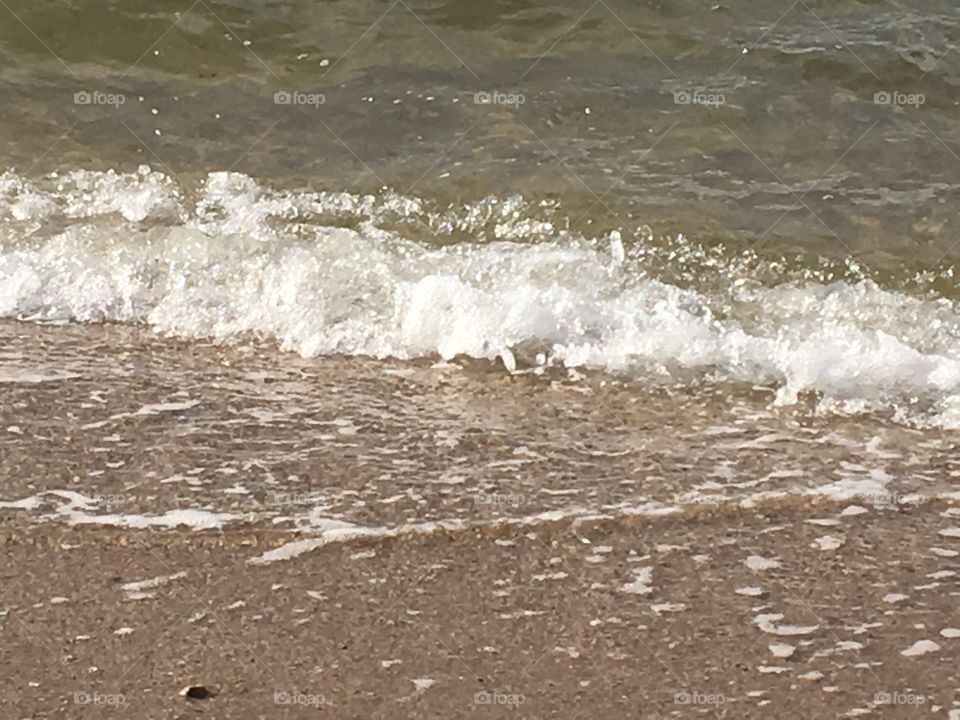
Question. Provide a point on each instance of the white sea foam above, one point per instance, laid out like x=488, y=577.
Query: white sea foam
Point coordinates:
x=768, y=623
x=78, y=509
x=921, y=647
x=244, y=259
x=641, y=583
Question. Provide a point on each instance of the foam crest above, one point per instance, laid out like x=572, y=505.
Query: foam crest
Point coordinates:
x=246, y=260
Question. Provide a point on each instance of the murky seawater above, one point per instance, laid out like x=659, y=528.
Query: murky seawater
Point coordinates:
x=782, y=143
x=595, y=257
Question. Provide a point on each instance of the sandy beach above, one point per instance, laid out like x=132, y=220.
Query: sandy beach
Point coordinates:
x=298, y=538
x=817, y=611
x=394, y=359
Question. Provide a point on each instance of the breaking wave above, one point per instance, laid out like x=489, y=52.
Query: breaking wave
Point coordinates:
x=325, y=273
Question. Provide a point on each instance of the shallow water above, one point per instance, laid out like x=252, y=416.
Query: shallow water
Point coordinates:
x=110, y=424
x=729, y=215
x=796, y=154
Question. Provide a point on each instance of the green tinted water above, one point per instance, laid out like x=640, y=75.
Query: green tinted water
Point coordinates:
x=757, y=125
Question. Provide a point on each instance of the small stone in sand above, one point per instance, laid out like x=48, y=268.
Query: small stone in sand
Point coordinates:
x=196, y=692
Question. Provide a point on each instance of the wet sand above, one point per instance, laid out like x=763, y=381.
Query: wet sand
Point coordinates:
x=404, y=540
x=142, y=425
x=801, y=611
